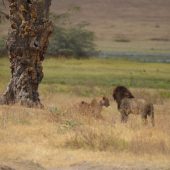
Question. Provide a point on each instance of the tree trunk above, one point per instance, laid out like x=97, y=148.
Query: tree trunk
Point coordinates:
x=27, y=43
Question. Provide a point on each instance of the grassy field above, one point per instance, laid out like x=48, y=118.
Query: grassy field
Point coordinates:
x=97, y=76
x=60, y=136
x=106, y=72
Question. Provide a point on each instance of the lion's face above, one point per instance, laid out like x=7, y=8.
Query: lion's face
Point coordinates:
x=105, y=102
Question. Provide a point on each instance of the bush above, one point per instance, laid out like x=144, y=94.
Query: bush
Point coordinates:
x=76, y=41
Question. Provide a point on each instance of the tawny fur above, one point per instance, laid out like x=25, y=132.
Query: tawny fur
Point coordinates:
x=128, y=104
x=94, y=108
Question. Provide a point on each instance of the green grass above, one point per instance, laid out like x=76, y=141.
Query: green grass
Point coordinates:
x=106, y=72
x=88, y=76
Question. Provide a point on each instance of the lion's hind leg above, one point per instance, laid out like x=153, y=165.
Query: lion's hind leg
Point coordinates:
x=144, y=118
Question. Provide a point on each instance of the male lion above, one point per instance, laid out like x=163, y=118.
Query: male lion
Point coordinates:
x=128, y=104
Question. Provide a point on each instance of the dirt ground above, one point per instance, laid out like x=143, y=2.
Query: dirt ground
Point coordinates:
x=87, y=166
x=26, y=165
x=82, y=166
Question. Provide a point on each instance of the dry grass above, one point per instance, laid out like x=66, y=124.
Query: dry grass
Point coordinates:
x=58, y=136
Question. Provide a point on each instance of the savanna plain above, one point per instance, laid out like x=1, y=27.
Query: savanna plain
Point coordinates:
x=59, y=136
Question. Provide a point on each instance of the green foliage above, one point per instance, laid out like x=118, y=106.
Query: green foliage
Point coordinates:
x=70, y=39
x=75, y=41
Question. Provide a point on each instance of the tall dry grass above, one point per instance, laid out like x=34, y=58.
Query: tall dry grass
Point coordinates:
x=58, y=135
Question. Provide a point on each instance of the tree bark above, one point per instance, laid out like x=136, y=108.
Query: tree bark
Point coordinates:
x=27, y=43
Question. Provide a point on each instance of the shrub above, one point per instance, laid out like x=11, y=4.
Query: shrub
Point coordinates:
x=75, y=41
x=122, y=40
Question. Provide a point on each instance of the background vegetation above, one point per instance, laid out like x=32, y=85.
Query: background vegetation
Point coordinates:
x=72, y=42
x=135, y=33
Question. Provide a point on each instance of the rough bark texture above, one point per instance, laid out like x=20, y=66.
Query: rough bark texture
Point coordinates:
x=27, y=43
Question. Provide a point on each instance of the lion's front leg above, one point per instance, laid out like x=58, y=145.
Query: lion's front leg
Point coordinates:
x=124, y=116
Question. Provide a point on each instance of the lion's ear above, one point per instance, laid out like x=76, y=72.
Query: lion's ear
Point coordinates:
x=129, y=95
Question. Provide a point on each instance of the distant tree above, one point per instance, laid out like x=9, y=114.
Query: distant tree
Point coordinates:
x=69, y=39
x=76, y=41
x=27, y=43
